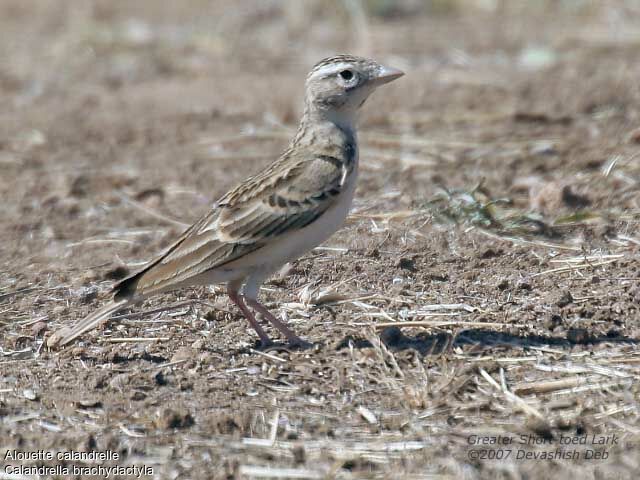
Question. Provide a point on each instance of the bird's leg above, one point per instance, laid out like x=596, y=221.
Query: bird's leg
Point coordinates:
x=286, y=331
x=236, y=298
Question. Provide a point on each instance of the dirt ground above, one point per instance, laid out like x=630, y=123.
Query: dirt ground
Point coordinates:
x=497, y=211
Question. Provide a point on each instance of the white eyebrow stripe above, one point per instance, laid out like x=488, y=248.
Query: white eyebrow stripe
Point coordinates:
x=327, y=70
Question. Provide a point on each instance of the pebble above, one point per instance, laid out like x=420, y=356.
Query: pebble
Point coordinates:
x=183, y=354
x=89, y=403
x=30, y=394
x=118, y=382
x=38, y=328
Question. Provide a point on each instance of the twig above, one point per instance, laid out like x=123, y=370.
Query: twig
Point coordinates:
x=511, y=397
x=134, y=339
x=447, y=323
x=549, y=386
x=165, y=365
x=257, y=471
x=523, y=241
x=151, y=212
x=18, y=292
x=573, y=268
x=367, y=414
x=267, y=355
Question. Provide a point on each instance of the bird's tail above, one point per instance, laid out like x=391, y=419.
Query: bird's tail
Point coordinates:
x=68, y=334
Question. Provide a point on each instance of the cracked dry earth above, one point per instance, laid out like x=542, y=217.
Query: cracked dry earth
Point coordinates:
x=486, y=286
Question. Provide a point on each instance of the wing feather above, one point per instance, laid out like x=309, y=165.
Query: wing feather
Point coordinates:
x=288, y=196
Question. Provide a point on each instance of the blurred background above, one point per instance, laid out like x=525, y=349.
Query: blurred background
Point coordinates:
x=500, y=182
x=528, y=97
x=171, y=103
x=125, y=43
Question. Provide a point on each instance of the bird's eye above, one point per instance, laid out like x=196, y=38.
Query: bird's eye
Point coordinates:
x=346, y=75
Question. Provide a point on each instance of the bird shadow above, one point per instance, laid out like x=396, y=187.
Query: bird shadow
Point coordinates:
x=480, y=339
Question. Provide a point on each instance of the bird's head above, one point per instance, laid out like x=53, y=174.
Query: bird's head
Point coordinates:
x=338, y=86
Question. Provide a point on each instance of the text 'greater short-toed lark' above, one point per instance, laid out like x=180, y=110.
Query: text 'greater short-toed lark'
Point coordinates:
x=273, y=217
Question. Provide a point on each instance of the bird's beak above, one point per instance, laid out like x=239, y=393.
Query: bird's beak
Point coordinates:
x=386, y=75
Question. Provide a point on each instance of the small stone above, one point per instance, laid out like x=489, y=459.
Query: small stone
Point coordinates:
x=503, y=284
x=30, y=394
x=38, y=328
x=89, y=403
x=98, y=382
x=545, y=197
x=553, y=321
x=489, y=253
x=78, y=351
x=185, y=385
x=205, y=358
x=79, y=186
x=138, y=396
x=438, y=276
x=524, y=286
x=535, y=57
x=183, y=354
x=159, y=379
x=564, y=299
x=117, y=273
x=367, y=414
x=88, y=294
x=543, y=147
x=119, y=382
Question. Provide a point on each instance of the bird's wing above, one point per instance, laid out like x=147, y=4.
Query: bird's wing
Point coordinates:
x=289, y=195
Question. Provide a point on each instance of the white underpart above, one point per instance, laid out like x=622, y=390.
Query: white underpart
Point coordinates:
x=255, y=267
x=291, y=246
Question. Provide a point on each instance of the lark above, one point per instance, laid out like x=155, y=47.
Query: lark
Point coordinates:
x=273, y=217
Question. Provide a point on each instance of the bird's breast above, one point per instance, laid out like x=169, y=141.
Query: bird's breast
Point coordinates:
x=292, y=245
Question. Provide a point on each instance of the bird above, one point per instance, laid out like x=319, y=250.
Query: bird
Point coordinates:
x=273, y=217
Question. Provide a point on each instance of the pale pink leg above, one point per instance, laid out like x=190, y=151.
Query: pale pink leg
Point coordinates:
x=286, y=331
x=238, y=300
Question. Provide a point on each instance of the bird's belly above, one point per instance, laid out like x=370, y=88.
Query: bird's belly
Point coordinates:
x=290, y=246
x=301, y=241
